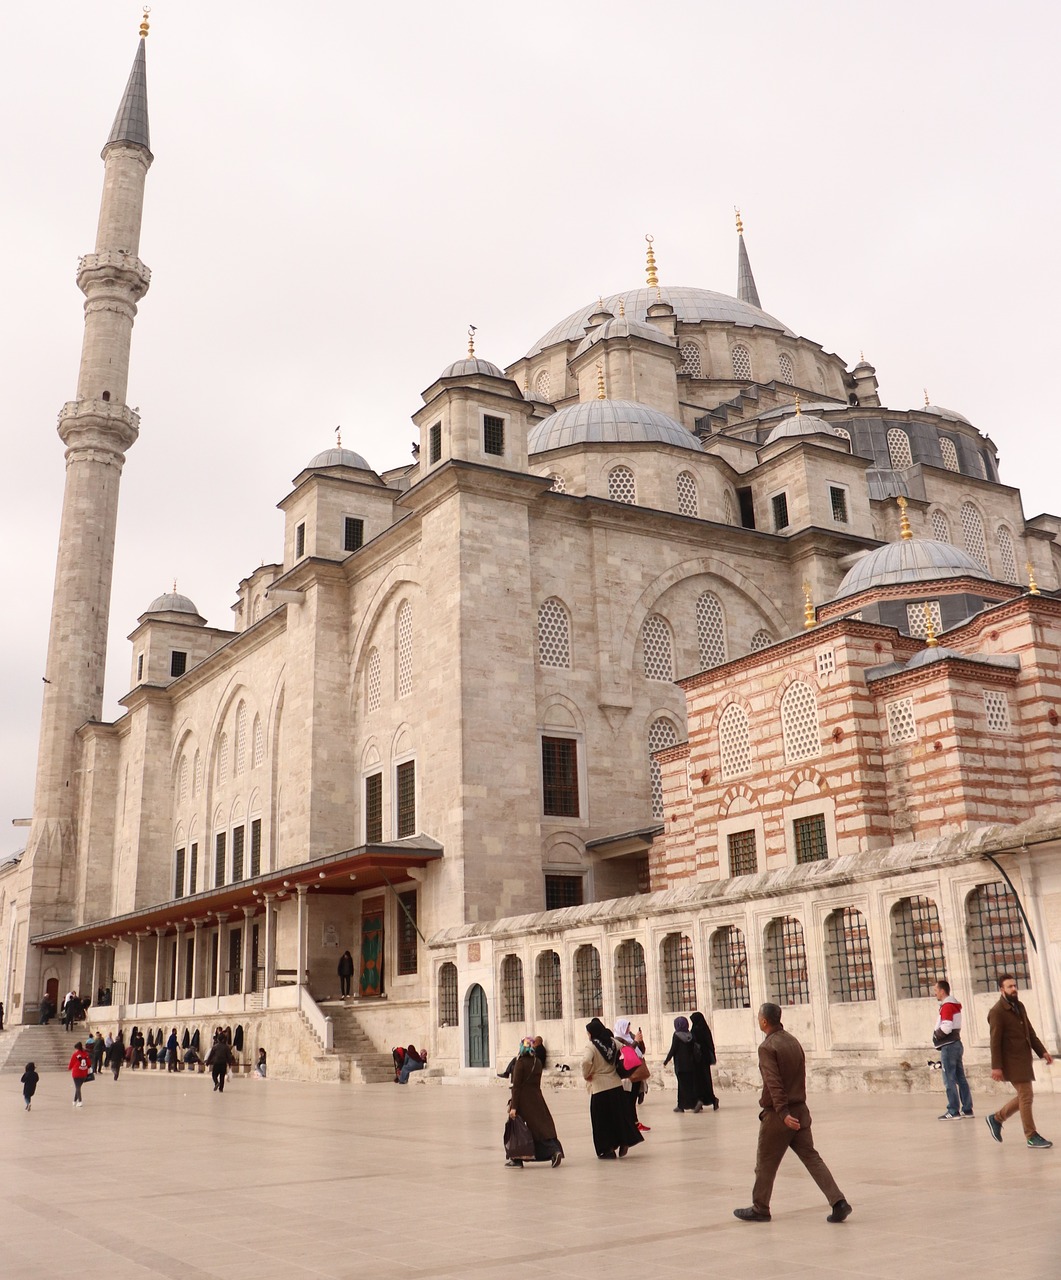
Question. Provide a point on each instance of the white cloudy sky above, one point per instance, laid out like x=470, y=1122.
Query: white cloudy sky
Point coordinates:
x=339, y=189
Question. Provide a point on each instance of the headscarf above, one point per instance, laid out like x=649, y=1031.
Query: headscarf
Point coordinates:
x=681, y=1024
x=602, y=1040
x=526, y=1047
x=621, y=1031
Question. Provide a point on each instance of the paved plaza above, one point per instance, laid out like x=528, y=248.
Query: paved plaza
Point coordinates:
x=159, y=1176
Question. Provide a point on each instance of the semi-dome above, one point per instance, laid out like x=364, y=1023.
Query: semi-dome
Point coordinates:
x=912, y=560
x=623, y=327
x=609, y=422
x=691, y=306
x=338, y=457
x=801, y=424
x=471, y=366
x=173, y=602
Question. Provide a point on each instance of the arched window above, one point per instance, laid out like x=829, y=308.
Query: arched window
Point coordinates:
x=512, y=1008
x=621, y=485
x=405, y=649
x=710, y=630
x=222, y=760
x=821, y=377
x=182, y=781
x=995, y=937
x=799, y=723
x=661, y=734
x=679, y=975
x=373, y=680
x=784, y=364
x=259, y=742
x=447, y=995
x=554, y=634
x=949, y=453
x=657, y=648
x=899, y=454
x=559, y=483
x=543, y=385
x=688, y=505
x=940, y=527
x=848, y=957
x=985, y=466
x=973, y=533
x=734, y=743
x=761, y=640
x=917, y=945
x=729, y=969
x=197, y=776
x=842, y=432
x=742, y=362
x=1007, y=555
x=548, y=987
x=631, y=979
x=922, y=612
x=241, y=739
x=785, y=954
x=589, y=989
x=727, y=507
x=690, y=365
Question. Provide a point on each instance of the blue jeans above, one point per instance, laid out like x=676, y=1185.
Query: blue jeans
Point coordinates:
x=408, y=1066
x=950, y=1055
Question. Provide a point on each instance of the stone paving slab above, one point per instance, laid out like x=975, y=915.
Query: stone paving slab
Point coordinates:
x=159, y=1176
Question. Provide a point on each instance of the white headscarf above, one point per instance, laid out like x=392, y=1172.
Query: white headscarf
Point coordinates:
x=621, y=1031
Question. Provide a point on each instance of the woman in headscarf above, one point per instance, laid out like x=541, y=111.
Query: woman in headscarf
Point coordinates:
x=633, y=1089
x=705, y=1090
x=614, y=1133
x=683, y=1050
x=527, y=1101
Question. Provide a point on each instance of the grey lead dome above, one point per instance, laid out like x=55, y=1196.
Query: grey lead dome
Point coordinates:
x=338, y=458
x=911, y=560
x=609, y=422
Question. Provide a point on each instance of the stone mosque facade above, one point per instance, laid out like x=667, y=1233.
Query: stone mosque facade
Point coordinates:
x=676, y=671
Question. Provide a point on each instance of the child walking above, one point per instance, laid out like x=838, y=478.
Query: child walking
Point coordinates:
x=29, y=1084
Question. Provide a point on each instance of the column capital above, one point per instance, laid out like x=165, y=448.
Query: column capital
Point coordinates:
x=249, y=911
x=302, y=890
x=221, y=916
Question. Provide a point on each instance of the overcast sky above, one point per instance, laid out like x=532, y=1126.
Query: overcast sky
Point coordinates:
x=339, y=189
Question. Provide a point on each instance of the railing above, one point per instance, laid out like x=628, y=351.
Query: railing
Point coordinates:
x=320, y=1023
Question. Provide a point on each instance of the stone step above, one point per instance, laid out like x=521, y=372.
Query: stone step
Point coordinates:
x=48, y=1048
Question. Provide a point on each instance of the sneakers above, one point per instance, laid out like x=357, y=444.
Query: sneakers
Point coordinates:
x=841, y=1210
x=643, y=1128
x=753, y=1215
x=556, y=1160
x=1039, y=1142
x=995, y=1126
x=947, y=1116
x=968, y=1115
x=513, y=1164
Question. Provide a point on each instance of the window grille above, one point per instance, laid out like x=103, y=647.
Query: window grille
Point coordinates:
x=780, y=507
x=950, y=453
x=710, y=630
x=734, y=742
x=656, y=643
x=405, y=649
x=562, y=891
x=996, y=707
x=729, y=969
x=543, y=385
x=256, y=613
x=222, y=760
x=197, y=775
x=256, y=847
x=182, y=781
x=899, y=455
x=742, y=362
x=661, y=734
x=548, y=988
x=826, y=663
x=742, y=853
x=259, y=742
x=679, y=972
x=447, y=995
x=786, y=962
x=178, y=663
x=995, y=937
x=727, y=507
x=374, y=808
x=917, y=945
x=493, y=435
x=589, y=990
x=300, y=541
x=1006, y=554
x=405, y=786
x=973, y=533
x=784, y=364
x=353, y=533
x=940, y=527
x=554, y=634
x=631, y=979
x=919, y=614
x=512, y=1006
x=139, y=666
x=434, y=446
x=373, y=680
x=687, y=498
x=799, y=723
x=241, y=738
x=848, y=957
x=690, y=365
x=407, y=936
x=621, y=485
x=810, y=838
x=239, y=836
x=838, y=504
x=902, y=727
x=560, y=777
x=843, y=433
x=761, y=640
x=219, y=859
x=178, y=875
x=559, y=483
x=193, y=868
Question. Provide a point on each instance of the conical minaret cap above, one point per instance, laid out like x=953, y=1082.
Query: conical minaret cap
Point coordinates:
x=746, y=290
x=130, y=124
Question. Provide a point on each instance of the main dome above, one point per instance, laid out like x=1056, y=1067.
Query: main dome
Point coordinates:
x=910, y=560
x=609, y=422
x=691, y=306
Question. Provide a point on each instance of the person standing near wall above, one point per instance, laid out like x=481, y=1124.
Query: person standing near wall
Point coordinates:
x=947, y=1037
x=346, y=972
x=1012, y=1040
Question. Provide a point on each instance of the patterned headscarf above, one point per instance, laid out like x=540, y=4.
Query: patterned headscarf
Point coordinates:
x=526, y=1047
x=602, y=1040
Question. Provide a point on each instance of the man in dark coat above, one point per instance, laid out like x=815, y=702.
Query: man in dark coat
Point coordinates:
x=346, y=972
x=1012, y=1040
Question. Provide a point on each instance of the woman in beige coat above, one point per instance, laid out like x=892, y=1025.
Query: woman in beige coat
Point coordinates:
x=614, y=1132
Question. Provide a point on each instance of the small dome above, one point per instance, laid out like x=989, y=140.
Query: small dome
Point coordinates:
x=172, y=602
x=338, y=458
x=609, y=422
x=469, y=367
x=949, y=414
x=911, y=560
x=801, y=424
x=623, y=327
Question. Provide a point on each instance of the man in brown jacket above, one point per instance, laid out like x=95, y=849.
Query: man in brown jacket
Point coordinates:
x=785, y=1121
x=1012, y=1040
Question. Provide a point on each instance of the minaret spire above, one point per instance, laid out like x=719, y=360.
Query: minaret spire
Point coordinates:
x=746, y=290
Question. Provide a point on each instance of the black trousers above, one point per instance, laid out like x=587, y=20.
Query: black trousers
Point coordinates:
x=344, y=985
x=217, y=1074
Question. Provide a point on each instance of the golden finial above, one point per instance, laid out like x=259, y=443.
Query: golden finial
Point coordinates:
x=797, y=404
x=145, y=26
x=927, y=402
x=601, y=393
x=650, y=264
x=930, y=630
x=1033, y=586
x=740, y=225
x=622, y=308
x=808, y=608
x=471, y=341
x=861, y=356
x=338, y=437
x=174, y=586
x=905, y=532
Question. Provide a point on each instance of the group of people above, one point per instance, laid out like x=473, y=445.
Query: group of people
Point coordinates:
x=406, y=1060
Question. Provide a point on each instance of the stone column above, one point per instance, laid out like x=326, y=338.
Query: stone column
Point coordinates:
x=160, y=933
x=303, y=933
x=245, y=976
x=178, y=965
x=270, y=948
x=222, y=916
x=133, y=994
x=197, y=959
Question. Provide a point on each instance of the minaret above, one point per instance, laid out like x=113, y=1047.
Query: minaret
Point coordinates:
x=96, y=428
x=746, y=290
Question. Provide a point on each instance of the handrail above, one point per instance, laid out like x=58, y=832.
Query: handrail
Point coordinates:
x=316, y=1017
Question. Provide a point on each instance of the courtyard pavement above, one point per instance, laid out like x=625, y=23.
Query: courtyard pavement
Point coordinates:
x=159, y=1176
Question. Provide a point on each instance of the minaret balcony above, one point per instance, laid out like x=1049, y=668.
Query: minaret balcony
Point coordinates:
x=103, y=418
x=110, y=267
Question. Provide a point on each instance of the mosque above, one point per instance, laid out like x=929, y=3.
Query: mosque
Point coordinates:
x=675, y=671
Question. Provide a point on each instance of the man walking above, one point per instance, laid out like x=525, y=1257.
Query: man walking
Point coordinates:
x=785, y=1121
x=947, y=1037
x=1012, y=1040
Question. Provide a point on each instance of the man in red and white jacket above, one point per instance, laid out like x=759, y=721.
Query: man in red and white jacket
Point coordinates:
x=947, y=1037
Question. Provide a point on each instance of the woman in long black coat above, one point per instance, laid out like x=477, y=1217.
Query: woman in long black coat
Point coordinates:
x=705, y=1089
x=527, y=1101
x=684, y=1052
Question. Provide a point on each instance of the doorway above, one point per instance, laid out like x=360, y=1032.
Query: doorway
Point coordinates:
x=51, y=993
x=478, y=1028
x=370, y=970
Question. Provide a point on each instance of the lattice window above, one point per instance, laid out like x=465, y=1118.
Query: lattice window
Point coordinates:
x=554, y=634
x=434, y=443
x=658, y=652
x=679, y=972
x=256, y=846
x=973, y=533
x=405, y=787
x=222, y=760
x=241, y=739
x=239, y=838
x=985, y=468
x=493, y=435
x=257, y=610
x=178, y=875
x=512, y=1006
x=353, y=533
x=838, y=503
x=193, y=868
x=734, y=742
x=621, y=485
x=1006, y=554
x=727, y=507
x=710, y=630
x=743, y=859
x=182, y=781
x=688, y=505
x=799, y=723
x=995, y=937
x=373, y=680
x=560, y=777
x=843, y=433
x=784, y=364
x=899, y=454
x=447, y=995
x=374, y=808
x=548, y=988
x=690, y=354
x=917, y=945
x=826, y=663
x=220, y=841
x=996, y=707
x=949, y=453
x=259, y=742
x=660, y=735
x=761, y=640
x=779, y=506
x=940, y=527
x=811, y=839
x=848, y=957
x=559, y=483
x=405, y=649
x=631, y=978
x=589, y=987
x=197, y=775
x=902, y=727
x=729, y=969
x=543, y=385
x=742, y=362
x=786, y=962
x=920, y=614
x=408, y=953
